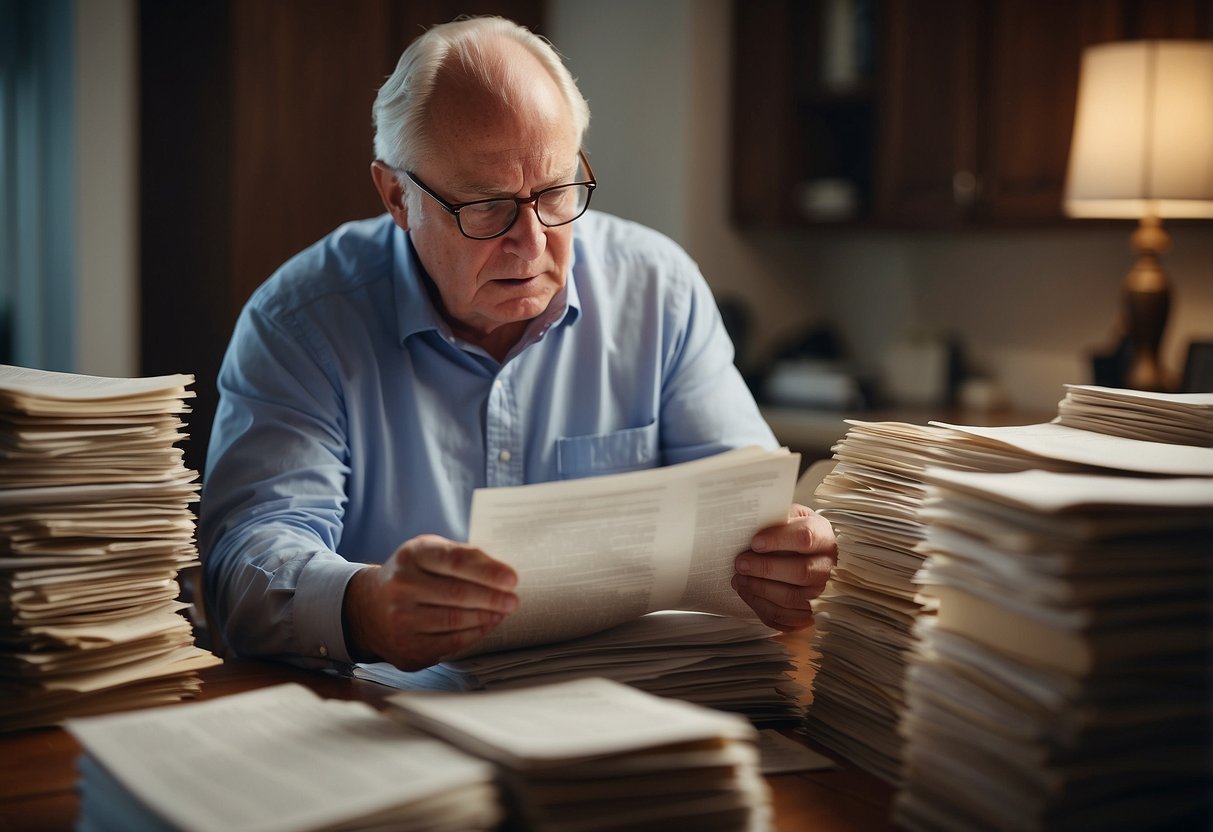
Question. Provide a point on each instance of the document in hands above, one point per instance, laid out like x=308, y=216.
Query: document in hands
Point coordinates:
x=597, y=552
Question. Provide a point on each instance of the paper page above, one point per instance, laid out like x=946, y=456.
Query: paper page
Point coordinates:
x=587, y=558
x=730, y=507
x=553, y=724
x=1054, y=441
x=597, y=552
x=175, y=485
x=25, y=381
x=1178, y=401
x=781, y=755
x=1048, y=492
x=279, y=758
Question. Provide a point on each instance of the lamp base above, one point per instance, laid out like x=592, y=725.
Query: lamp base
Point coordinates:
x=1147, y=302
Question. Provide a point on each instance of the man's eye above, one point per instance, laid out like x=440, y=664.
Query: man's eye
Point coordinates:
x=556, y=198
x=488, y=209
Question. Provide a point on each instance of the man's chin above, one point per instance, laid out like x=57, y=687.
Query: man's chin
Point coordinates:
x=521, y=300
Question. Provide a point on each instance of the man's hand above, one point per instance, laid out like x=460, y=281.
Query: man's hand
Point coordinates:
x=786, y=568
x=432, y=598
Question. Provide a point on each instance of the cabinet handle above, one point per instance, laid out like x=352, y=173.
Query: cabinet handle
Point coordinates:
x=965, y=188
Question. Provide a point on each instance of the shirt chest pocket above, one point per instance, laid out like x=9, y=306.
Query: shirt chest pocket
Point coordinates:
x=607, y=453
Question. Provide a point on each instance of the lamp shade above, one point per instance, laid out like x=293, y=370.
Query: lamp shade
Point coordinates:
x=1143, y=131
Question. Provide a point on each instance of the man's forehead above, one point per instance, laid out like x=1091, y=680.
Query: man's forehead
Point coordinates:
x=478, y=171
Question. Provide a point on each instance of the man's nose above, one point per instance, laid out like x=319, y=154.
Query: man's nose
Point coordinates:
x=527, y=237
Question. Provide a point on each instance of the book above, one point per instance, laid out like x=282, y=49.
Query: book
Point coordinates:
x=95, y=528
x=277, y=758
x=593, y=754
x=597, y=552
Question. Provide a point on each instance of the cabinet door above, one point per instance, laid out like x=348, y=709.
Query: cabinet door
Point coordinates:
x=1028, y=113
x=928, y=145
x=979, y=100
x=764, y=140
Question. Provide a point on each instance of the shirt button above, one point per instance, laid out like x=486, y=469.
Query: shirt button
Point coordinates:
x=499, y=385
x=504, y=456
x=324, y=651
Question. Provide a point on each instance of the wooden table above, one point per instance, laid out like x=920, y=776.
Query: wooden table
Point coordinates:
x=37, y=767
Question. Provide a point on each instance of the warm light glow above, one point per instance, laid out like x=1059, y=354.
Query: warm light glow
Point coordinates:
x=1143, y=131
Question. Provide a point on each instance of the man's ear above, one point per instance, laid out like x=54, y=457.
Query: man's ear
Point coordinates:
x=391, y=192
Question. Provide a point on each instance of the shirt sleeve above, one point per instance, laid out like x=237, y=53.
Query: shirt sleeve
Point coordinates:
x=706, y=407
x=273, y=498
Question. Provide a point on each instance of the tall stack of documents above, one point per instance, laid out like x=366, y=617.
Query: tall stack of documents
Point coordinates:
x=279, y=758
x=865, y=616
x=1065, y=681
x=94, y=527
x=592, y=754
x=866, y=636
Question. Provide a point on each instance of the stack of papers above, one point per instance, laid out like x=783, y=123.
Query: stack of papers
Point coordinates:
x=866, y=616
x=1067, y=671
x=278, y=759
x=719, y=662
x=94, y=527
x=593, y=754
x=1180, y=419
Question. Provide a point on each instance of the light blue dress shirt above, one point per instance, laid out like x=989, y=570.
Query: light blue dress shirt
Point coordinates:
x=351, y=419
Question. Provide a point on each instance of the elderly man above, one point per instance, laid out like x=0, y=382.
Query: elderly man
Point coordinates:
x=485, y=331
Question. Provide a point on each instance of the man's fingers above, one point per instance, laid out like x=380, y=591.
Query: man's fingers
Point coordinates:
x=439, y=556
x=797, y=570
x=441, y=591
x=430, y=620
x=805, y=532
x=783, y=595
x=424, y=650
x=771, y=613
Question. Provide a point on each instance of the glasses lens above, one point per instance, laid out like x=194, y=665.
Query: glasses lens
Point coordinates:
x=492, y=218
x=563, y=204
x=487, y=219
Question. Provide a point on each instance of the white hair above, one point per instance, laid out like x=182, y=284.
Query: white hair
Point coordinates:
x=401, y=107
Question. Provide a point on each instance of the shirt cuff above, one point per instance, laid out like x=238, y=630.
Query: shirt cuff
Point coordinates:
x=319, y=597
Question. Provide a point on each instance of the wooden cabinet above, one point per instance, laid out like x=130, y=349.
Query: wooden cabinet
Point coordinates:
x=797, y=128
x=256, y=140
x=965, y=118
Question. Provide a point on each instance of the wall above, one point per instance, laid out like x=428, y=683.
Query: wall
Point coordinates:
x=107, y=333
x=1028, y=306
x=640, y=113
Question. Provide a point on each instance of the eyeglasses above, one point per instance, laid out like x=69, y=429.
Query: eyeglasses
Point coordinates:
x=484, y=219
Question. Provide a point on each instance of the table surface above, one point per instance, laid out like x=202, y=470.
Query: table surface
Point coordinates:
x=37, y=767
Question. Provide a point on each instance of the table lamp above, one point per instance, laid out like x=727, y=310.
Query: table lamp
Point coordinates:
x=1143, y=149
